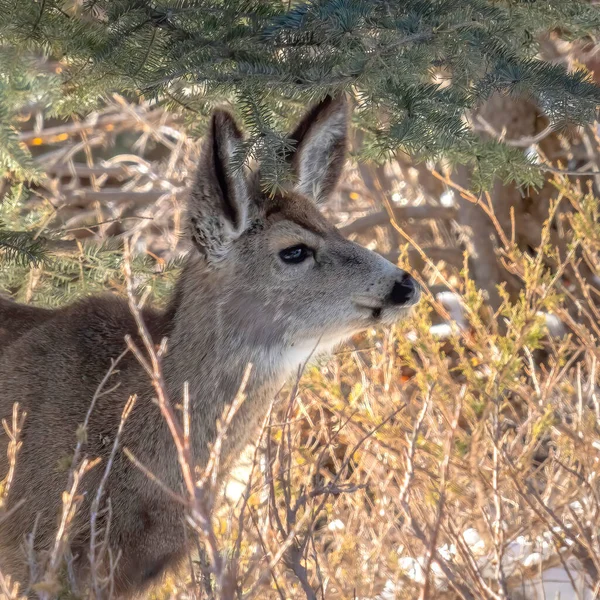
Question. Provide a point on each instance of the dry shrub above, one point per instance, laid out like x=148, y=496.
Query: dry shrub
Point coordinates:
x=462, y=466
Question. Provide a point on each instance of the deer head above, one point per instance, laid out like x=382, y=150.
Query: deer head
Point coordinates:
x=285, y=274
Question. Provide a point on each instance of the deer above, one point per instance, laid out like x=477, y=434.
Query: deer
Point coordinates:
x=268, y=281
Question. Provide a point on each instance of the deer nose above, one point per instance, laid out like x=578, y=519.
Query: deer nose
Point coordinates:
x=405, y=291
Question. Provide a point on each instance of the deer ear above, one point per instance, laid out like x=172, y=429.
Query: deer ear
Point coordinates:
x=320, y=142
x=219, y=201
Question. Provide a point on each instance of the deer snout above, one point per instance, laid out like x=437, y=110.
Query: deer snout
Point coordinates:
x=405, y=291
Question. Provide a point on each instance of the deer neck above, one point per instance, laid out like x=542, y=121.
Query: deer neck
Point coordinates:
x=215, y=336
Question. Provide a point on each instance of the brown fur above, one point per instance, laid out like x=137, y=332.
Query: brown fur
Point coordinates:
x=17, y=319
x=236, y=302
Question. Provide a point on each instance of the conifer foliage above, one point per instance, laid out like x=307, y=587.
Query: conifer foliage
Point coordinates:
x=415, y=66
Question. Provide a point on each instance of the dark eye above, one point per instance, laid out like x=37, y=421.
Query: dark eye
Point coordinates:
x=295, y=254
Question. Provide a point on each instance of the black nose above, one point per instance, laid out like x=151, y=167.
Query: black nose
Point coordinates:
x=405, y=291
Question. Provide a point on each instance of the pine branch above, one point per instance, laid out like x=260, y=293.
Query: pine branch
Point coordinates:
x=20, y=247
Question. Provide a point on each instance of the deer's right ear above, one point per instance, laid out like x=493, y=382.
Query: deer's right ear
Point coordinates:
x=320, y=148
x=218, y=206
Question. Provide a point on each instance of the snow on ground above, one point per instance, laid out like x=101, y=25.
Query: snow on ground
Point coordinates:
x=521, y=555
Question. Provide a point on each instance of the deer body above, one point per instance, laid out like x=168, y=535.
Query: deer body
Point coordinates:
x=269, y=283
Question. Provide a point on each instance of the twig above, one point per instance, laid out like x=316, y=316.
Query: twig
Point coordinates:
x=522, y=142
x=401, y=213
x=14, y=445
x=95, y=508
x=444, y=472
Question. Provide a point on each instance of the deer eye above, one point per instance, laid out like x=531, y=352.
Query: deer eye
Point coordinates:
x=295, y=254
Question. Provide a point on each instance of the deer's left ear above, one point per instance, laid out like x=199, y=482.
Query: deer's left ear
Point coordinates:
x=320, y=142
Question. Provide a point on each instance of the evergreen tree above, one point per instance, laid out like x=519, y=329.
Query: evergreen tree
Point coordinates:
x=415, y=66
